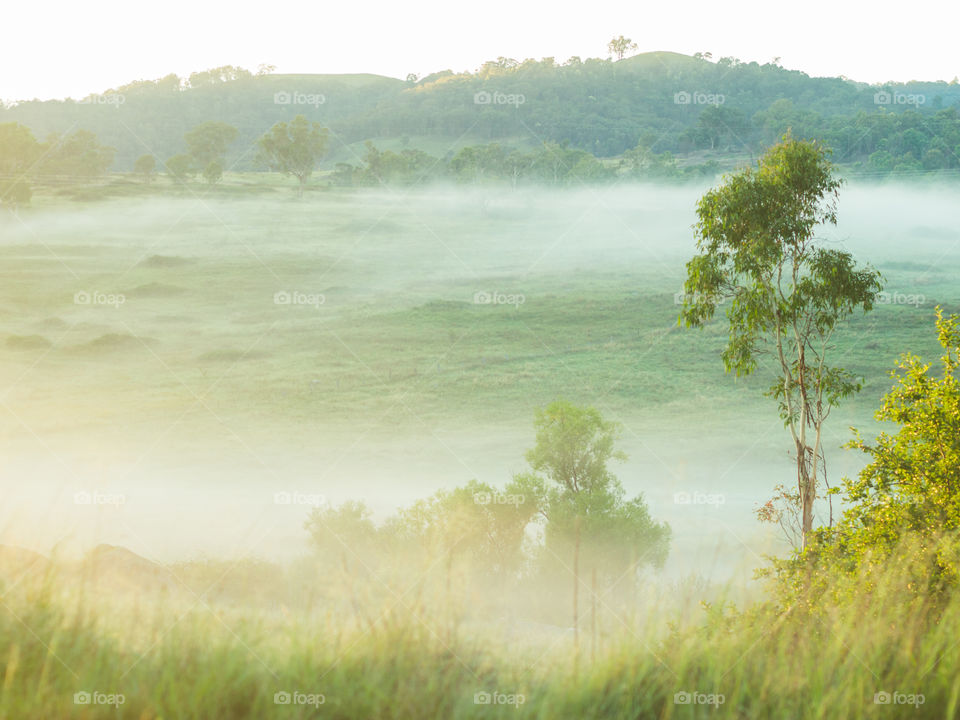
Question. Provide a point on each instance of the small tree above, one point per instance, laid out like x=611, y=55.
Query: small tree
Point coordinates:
x=295, y=149
x=755, y=235
x=78, y=154
x=620, y=46
x=146, y=167
x=208, y=142
x=180, y=167
x=18, y=149
x=14, y=194
x=587, y=507
x=213, y=172
x=912, y=481
x=902, y=508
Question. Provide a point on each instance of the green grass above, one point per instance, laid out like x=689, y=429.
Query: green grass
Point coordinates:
x=198, y=354
x=190, y=656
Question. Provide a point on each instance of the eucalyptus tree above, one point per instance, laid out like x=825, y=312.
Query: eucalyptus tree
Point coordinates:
x=757, y=247
x=294, y=149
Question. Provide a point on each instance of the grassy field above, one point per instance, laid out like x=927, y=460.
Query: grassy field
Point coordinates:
x=198, y=350
x=97, y=652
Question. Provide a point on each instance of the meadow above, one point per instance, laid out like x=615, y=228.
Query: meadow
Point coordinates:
x=197, y=350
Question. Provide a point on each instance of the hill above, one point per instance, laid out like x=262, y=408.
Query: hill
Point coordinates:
x=664, y=101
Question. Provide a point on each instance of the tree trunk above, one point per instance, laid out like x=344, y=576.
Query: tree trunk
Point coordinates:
x=593, y=616
x=576, y=586
x=807, y=488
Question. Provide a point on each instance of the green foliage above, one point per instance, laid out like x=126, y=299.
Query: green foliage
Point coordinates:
x=756, y=243
x=295, y=149
x=77, y=155
x=551, y=164
x=573, y=448
x=208, y=142
x=907, y=498
x=213, y=172
x=15, y=193
x=484, y=530
x=601, y=107
x=18, y=150
x=620, y=46
x=146, y=167
x=180, y=167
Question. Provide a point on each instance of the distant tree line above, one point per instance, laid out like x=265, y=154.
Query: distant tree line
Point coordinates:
x=663, y=101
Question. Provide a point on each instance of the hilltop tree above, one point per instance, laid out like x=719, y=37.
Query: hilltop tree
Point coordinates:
x=294, y=149
x=620, y=46
x=208, y=142
x=755, y=237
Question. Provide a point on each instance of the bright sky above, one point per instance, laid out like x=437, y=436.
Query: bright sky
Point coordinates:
x=59, y=49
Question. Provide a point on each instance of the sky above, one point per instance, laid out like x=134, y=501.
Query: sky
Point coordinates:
x=60, y=49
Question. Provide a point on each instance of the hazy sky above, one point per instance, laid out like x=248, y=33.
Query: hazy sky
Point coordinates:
x=71, y=49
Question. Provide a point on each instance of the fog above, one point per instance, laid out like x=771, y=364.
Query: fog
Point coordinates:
x=198, y=399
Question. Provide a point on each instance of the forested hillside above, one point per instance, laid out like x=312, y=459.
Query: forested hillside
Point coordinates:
x=691, y=107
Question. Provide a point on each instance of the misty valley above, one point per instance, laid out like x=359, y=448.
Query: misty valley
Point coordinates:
x=553, y=390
